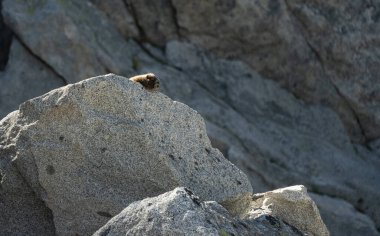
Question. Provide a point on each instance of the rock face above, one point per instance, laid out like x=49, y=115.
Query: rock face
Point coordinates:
x=24, y=78
x=272, y=136
x=320, y=51
x=79, y=31
x=342, y=219
x=22, y=211
x=5, y=42
x=291, y=204
x=180, y=212
x=289, y=89
x=89, y=149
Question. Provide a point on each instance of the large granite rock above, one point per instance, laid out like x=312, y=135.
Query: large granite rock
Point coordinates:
x=180, y=212
x=91, y=148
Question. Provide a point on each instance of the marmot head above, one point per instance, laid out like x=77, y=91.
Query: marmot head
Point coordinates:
x=149, y=81
x=152, y=82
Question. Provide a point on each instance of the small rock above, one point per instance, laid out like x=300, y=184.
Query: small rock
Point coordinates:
x=292, y=205
x=176, y=213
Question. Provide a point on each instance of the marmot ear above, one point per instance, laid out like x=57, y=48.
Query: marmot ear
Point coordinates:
x=151, y=76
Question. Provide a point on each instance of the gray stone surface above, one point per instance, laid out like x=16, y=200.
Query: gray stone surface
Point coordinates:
x=375, y=146
x=325, y=54
x=91, y=148
x=24, y=78
x=180, y=212
x=85, y=43
x=117, y=11
x=22, y=212
x=156, y=19
x=342, y=218
x=275, y=138
x=291, y=204
x=343, y=36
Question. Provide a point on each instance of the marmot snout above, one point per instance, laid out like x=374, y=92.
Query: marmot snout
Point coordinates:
x=149, y=81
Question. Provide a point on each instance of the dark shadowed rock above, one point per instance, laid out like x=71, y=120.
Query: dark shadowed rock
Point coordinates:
x=5, y=41
x=342, y=219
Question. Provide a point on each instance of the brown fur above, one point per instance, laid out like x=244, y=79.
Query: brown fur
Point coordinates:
x=149, y=81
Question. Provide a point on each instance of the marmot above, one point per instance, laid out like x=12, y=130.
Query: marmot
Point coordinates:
x=149, y=81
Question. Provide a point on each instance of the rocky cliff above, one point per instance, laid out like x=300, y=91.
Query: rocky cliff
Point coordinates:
x=288, y=89
x=75, y=157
